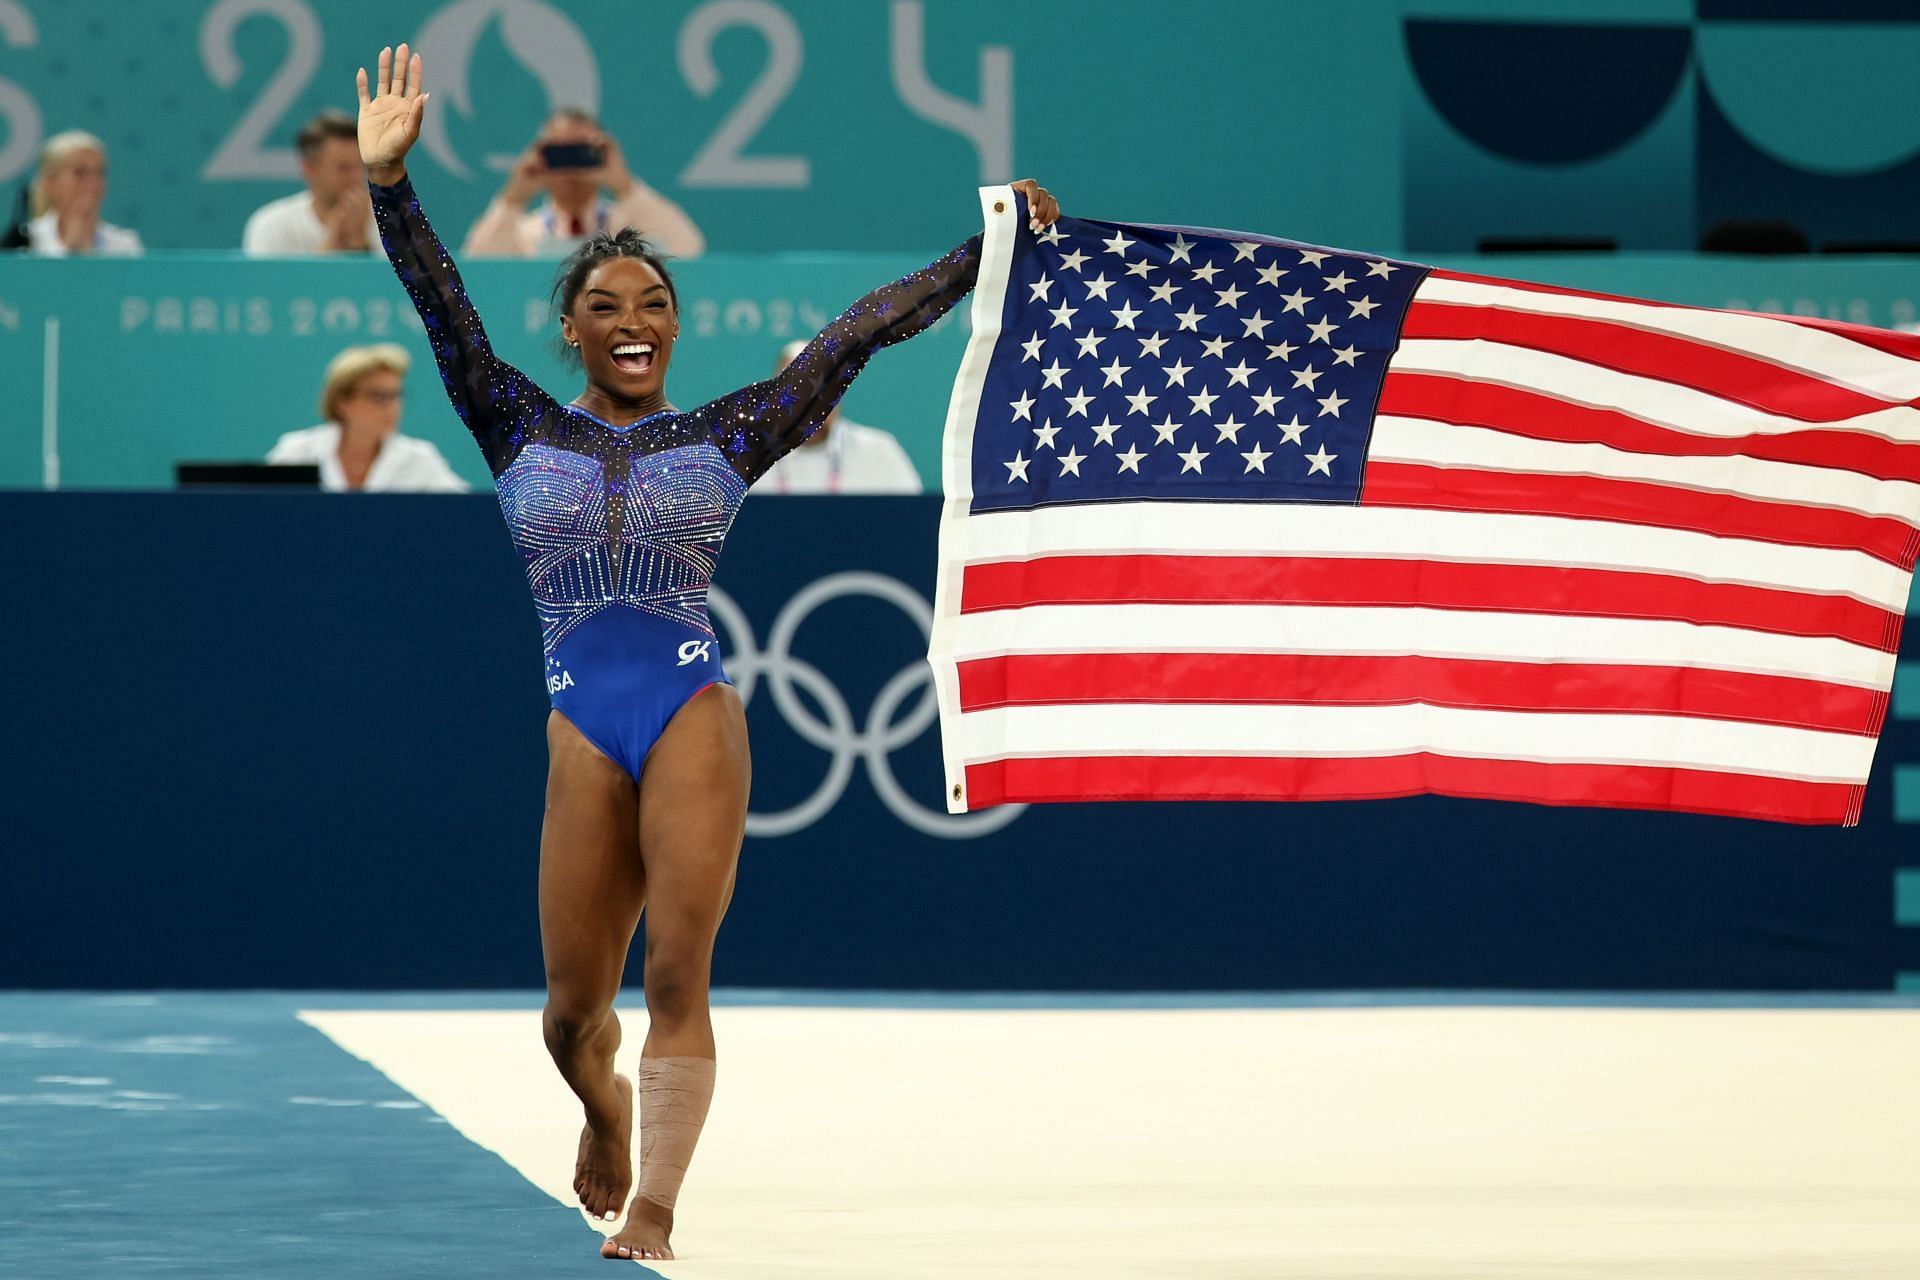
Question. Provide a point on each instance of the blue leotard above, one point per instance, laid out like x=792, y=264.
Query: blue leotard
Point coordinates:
x=621, y=527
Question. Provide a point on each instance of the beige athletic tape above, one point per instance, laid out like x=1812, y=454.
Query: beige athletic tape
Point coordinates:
x=674, y=1095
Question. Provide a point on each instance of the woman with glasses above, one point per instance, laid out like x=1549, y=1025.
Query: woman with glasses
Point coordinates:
x=358, y=445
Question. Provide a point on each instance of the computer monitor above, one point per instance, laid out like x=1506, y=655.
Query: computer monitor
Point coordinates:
x=246, y=475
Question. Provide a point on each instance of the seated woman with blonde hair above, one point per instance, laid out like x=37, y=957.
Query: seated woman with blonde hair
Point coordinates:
x=68, y=190
x=359, y=446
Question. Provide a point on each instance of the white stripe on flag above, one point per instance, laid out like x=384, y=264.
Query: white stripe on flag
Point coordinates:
x=1311, y=529
x=1794, y=346
x=1443, y=444
x=1665, y=404
x=1591, y=738
x=1391, y=631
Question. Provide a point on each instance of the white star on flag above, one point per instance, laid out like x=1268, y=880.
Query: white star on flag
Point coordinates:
x=1321, y=461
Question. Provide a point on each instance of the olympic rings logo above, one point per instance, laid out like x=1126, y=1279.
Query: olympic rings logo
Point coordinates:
x=885, y=730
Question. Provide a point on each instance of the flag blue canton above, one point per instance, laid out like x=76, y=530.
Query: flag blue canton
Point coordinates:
x=1165, y=363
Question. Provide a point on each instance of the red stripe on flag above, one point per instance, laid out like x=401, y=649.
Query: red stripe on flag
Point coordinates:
x=1731, y=375
x=1541, y=417
x=1370, y=778
x=1471, y=683
x=1432, y=584
x=1641, y=502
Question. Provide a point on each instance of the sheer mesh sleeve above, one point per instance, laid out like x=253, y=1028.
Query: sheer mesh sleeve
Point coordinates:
x=498, y=403
x=756, y=426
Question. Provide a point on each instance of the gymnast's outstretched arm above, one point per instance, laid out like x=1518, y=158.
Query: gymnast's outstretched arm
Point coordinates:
x=758, y=425
x=498, y=403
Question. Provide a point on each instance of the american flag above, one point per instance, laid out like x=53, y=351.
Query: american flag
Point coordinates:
x=1233, y=517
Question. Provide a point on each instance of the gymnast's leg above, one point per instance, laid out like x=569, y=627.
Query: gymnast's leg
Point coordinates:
x=693, y=813
x=592, y=886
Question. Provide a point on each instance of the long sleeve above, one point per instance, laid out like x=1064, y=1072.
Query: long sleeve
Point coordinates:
x=758, y=425
x=498, y=403
x=664, y=223
x=498, y=233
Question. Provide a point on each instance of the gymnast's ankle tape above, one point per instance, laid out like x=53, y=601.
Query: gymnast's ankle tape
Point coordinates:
x=674, y=1095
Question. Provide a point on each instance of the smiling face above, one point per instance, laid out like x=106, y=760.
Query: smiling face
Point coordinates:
x=624, y=324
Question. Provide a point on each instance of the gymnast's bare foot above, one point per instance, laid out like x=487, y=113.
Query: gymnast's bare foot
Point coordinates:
x=603, y=1171
x=644, y=1237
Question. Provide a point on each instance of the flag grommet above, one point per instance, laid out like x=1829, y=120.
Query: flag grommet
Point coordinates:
x=999, y=206
x=956, y=791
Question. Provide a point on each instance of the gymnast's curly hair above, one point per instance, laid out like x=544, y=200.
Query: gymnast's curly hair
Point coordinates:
x=600, y=247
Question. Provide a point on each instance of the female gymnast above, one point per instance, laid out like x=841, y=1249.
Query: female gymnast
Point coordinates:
x=619, y=503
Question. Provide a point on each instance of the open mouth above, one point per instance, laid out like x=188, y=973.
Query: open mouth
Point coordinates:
x=633, y=357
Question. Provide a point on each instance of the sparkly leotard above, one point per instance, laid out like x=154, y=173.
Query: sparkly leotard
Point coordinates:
x=621, y=527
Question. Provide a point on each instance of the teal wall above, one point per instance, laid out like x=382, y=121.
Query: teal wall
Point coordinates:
x=179, y=356
x=784, y=124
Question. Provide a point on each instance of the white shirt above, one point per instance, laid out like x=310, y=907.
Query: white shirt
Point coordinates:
x=289, y=226
x=403, y=465
x=506, y=231
x=855, y=459
x=43, y=238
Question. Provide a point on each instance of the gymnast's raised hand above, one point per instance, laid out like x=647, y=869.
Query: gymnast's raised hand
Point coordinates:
x=390, y=115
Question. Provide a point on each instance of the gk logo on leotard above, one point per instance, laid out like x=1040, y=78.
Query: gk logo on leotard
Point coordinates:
x=894, y=721
x=693, y=651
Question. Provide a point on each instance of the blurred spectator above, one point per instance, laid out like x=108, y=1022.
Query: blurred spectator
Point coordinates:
x=359, y=446
x=67, y=194
x=841, y=457
x=334, y=214
x=572, y=160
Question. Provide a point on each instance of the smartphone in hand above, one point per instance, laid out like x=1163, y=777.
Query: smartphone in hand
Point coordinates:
x=572, y=155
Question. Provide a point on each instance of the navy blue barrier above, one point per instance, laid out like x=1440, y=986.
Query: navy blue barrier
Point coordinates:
x=296, y=741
